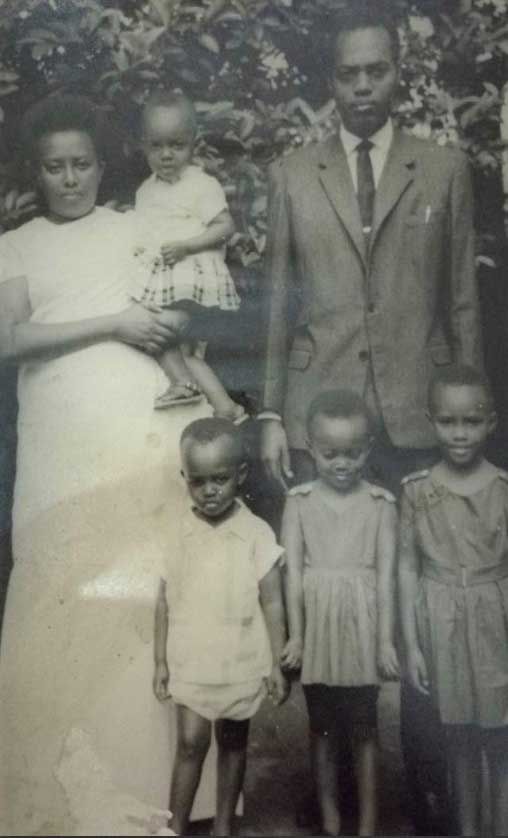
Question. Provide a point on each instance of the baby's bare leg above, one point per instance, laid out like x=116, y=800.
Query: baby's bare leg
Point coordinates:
x=194, y=734
x=175, y=366
x=210, y=384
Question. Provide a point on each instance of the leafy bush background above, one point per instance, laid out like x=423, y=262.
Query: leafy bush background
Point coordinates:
x=257, y=71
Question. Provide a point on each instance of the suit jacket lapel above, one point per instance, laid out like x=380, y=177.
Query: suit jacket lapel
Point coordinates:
x=336, y=181
x=397, y=175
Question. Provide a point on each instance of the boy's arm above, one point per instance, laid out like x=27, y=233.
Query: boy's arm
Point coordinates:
x=161, y=624
x=270, y=596
x=292, y=541
x=409, y=572
x=385, y=568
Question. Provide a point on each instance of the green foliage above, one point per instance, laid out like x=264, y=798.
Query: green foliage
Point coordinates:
x=257, y=72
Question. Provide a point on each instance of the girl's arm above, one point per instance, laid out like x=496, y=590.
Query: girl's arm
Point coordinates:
x=292, y=541
x=386, y=560
x=270, y=597
x=217, y=233
x=409, y=572
x=161, y=624
x=21, y=339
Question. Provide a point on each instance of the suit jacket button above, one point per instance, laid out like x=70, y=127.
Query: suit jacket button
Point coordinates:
x=371, y=308
x=363, y=355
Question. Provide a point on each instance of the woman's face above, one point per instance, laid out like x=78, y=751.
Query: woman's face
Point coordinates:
x=69, y=174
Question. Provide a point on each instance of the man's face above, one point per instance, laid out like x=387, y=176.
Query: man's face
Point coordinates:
x=365, y=79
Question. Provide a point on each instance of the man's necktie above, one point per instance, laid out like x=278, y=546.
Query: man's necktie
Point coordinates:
x=366, y=184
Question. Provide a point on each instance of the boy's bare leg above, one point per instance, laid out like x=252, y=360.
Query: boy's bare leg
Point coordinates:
x=232, y=760
x=194, y=734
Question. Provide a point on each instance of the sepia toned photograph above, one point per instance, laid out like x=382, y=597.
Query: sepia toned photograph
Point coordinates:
x=253, y=271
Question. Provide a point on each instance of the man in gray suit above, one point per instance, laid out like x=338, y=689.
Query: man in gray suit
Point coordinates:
x=372, y=286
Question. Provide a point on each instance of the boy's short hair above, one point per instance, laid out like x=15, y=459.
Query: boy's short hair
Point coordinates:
x=340, y=404
x=362, y=14
x=171, y=99
x=459, y=375
x=212, y=428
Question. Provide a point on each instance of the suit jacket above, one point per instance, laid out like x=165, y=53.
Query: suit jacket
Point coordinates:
x=406, y=303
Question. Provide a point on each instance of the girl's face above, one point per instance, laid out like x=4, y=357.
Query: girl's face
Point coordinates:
x=462, y=419
x=168, y=142
x=69, y=174
x=213, y=475
x=340, y=448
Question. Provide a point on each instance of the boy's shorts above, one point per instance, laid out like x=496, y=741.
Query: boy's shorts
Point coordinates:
x=332, y=709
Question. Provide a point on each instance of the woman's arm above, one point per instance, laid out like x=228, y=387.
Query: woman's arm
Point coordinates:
x=292, y=541
x=386, y=560
x=409, y=572
x=161, y=625
x=21, y=339
x=270, y=597
x=217, y=233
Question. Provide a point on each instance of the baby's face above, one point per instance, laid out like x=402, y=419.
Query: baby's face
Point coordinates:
x=213, y=474
x=339, y=447
x=168, y=141
x=462, y=417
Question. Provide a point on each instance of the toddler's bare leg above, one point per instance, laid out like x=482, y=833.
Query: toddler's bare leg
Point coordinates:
x=365, y=752
x=175, y=366
x=497, y=757
x=211, y=386
x=465, y=760
x=194, y=734
x=324, y=767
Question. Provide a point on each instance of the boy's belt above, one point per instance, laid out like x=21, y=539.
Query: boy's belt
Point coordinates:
x=464, y=577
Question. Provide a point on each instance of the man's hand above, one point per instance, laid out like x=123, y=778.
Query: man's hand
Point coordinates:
x=291, y=657
x=161, y=681
x=275, y=452
x=174, y=252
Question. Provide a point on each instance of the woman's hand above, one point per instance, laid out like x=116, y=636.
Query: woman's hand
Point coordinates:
x=417, y=671
x=291, y=657
x=277, y=686
x=144, y=328
x=161, y=681
x=174, y=252
x=387, y=661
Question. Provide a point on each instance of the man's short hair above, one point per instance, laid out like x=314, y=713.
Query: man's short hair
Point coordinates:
x=362, y=14
x=212, y=428
x=459, y=375
x=340, y=404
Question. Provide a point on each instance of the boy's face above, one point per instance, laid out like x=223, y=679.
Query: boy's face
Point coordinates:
x=365, y=79
x=213, y=474
x=340, y=448
x=462, y=418
x=168, y=141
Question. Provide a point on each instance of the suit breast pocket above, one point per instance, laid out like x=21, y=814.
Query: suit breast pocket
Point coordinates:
x=426, y=217
x=441, y=355
x=299, y=359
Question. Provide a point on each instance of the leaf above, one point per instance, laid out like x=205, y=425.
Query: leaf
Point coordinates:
x=121, y=60
x=162, y=10
x=209, y=42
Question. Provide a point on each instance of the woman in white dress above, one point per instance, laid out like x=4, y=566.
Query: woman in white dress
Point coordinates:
x=84, y=745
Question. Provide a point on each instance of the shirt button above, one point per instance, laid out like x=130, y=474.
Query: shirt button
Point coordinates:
x=363, y=355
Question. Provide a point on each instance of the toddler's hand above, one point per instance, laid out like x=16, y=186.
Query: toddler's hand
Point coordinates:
x=417, y=671
x=291, y=657
x=174, y=252
x=387, y=661
x=161, y=681
x=277, y=686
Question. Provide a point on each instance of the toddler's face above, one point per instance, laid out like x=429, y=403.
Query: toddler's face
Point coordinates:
x=340, y=448
x=213, y=474
x=462, y=418
x=168, y=142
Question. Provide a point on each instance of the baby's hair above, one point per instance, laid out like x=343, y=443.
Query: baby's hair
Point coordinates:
x=62, y=112
x=171, y=99
x=459, y=375
x=363, y=14
x=339, y=404
x=210, y=429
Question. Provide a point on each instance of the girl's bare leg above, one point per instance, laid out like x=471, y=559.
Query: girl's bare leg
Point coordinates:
x=323, y=757
x=194, y=733
x=497, y=758
x=210, y=384
x=365, y=751
x=465, y=760
x=232, y=760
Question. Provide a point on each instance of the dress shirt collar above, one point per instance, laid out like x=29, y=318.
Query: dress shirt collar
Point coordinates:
x=193, y=524
x=381, y=140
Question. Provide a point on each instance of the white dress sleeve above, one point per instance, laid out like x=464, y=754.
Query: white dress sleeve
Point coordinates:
x=210, y=198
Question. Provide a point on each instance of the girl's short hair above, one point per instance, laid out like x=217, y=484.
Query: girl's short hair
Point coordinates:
x=459, y=375
x=212, y=428
x=62, y=112
x=340, y=404
x=171, y=99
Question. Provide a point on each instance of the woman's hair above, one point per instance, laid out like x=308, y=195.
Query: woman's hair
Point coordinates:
x=210, y=429
x=171, y=99
x=339, y=404
x=62, y=112
x=459, y=375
